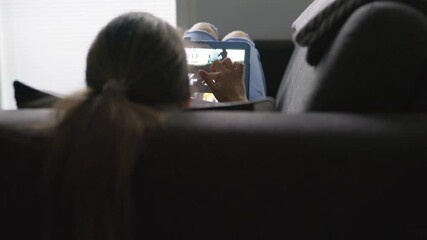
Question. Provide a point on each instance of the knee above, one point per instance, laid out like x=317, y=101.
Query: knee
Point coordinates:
x=237, y=34
x=207, y=27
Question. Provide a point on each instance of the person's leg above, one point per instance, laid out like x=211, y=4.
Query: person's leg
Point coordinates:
x=201, y=32
x=257, y=88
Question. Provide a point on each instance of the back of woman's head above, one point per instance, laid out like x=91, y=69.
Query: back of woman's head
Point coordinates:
x=135, y=67
x=142, y=56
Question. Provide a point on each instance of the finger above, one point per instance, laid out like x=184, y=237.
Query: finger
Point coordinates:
x=217, y=66
x=228, y=63
x=213, y=67
x=208, y=78
x=238, y=67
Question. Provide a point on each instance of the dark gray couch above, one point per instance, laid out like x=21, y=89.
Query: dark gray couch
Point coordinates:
x=246, y=175
x=326, y=165
x=372, y=59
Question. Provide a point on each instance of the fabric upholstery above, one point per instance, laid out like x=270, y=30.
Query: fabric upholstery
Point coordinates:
x=239, y=175
x=376, y=63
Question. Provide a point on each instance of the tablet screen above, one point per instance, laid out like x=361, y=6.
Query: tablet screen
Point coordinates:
x=201, y=55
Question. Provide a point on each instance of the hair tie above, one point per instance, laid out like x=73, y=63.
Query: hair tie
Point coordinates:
x=113, y=85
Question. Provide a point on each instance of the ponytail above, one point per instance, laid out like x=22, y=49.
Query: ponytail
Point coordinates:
x=90, y=164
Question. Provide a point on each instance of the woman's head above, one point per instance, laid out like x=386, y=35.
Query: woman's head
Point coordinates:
x=143, y=57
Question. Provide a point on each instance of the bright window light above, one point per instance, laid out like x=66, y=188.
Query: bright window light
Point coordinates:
x=44, y=43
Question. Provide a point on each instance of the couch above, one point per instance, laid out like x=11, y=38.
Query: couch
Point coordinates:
x=313, y=169
x=269, y=176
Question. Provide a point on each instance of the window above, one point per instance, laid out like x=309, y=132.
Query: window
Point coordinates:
x=44, y=43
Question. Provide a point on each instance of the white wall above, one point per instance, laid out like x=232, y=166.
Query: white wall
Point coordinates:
x=44, y=43
x=1, y=60
x=262, y=19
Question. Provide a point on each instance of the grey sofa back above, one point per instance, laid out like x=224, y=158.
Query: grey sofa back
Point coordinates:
x=375, y=61
x=246, y=175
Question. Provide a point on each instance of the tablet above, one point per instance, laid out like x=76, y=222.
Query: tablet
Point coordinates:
x=201, y=55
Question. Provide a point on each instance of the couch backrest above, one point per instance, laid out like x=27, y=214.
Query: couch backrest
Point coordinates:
x=237, y=175
x=374, y=62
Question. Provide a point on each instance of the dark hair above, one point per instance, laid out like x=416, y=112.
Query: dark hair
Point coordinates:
x=135, y=67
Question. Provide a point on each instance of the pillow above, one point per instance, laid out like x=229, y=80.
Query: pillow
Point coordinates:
x=28, y=97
